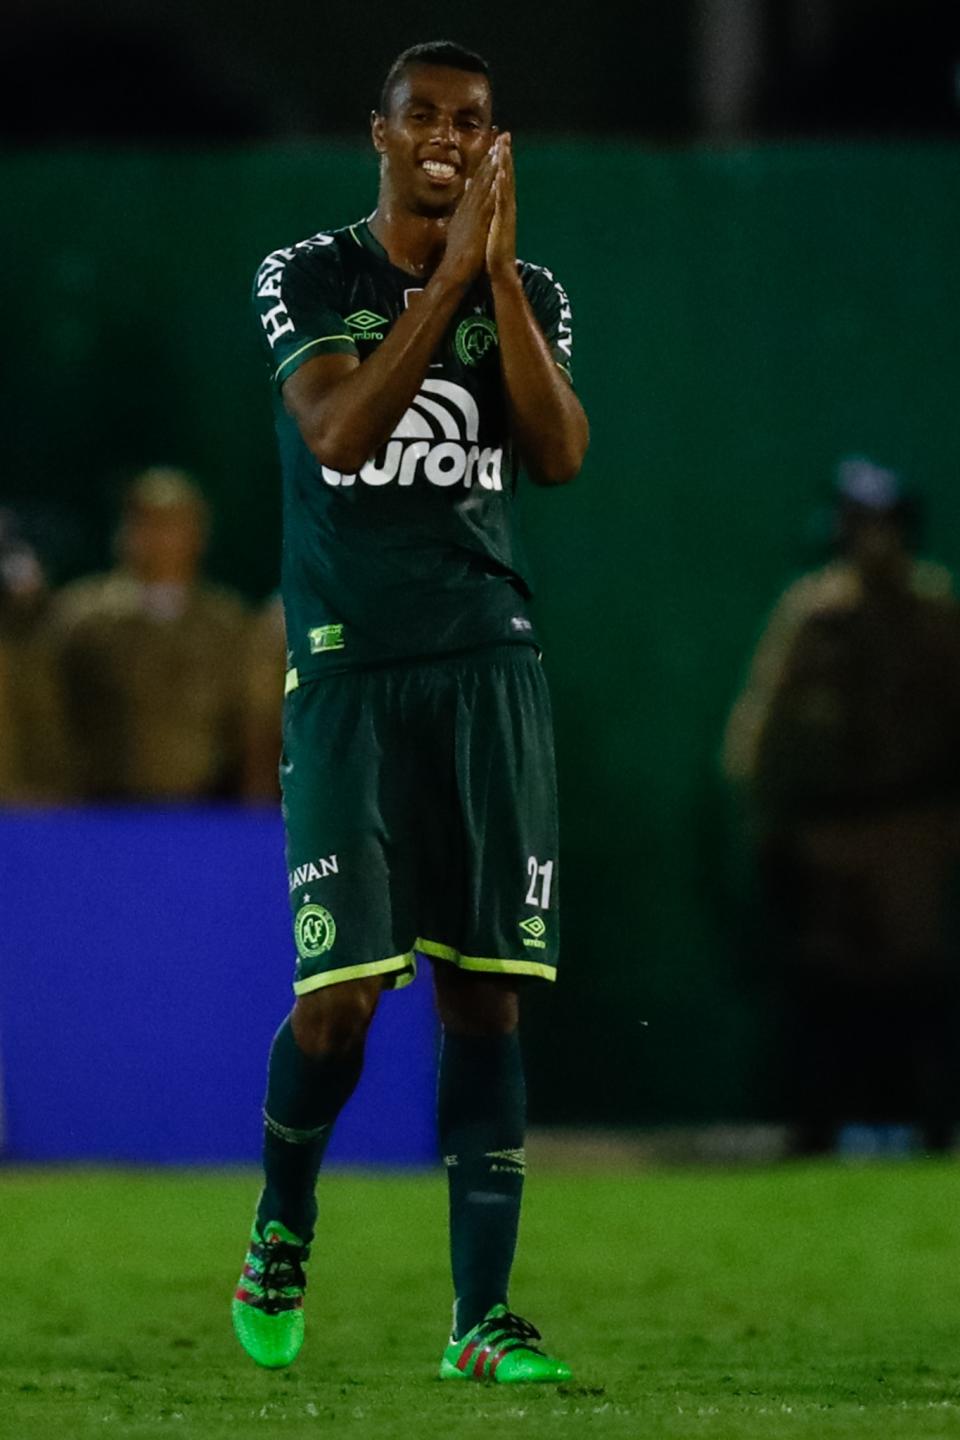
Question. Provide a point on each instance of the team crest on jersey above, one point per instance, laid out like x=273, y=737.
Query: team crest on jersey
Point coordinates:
x=474, y=338
x=437, y=441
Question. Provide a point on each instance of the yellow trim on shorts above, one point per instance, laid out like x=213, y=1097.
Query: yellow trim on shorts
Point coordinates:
x=291, y=681
x=478, y=962
x=404, y=966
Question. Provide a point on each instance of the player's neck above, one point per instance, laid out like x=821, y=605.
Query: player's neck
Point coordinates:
x=414, y=243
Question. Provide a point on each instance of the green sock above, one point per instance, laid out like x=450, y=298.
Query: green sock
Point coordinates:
x=482, y=1117
x=304, y=1098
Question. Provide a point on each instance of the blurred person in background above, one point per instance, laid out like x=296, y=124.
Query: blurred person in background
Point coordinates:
x=846, y=740
x=151, y=657
x=263, y=702
x=34, y=766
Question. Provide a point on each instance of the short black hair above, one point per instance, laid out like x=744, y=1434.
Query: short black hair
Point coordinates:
x=433, y=52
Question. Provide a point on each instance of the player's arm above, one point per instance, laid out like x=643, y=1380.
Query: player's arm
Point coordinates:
x=548, y=420
x=346, y=410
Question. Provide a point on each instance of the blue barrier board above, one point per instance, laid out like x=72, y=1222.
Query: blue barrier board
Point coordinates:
x=146, y=959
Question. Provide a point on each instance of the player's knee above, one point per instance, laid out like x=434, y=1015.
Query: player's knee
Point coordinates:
x=476, y=1004
x=335, y=1020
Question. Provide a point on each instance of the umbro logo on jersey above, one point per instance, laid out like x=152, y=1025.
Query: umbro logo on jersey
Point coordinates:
x=366, y=324
x=435, y=440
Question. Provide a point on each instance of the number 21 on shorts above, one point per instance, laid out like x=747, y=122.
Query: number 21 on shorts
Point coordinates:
x=541, y=878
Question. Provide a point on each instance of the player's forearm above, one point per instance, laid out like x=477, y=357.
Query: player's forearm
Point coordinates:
x=360, y=413
x=548, y=420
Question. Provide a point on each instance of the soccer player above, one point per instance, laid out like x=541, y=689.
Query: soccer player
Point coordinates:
x=416, y=362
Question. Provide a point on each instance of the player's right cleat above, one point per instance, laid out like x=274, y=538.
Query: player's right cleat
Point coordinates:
x=268, y=1304
x=500, y=1349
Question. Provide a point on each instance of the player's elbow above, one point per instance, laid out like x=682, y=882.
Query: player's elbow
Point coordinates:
x=549, y=478
x=561, y=463
x=343, y=458
x=334, y=449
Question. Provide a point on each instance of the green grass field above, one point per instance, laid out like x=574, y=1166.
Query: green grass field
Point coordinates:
x=812, y=1301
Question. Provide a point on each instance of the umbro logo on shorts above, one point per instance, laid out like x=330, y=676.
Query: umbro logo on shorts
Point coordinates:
x=534, y=928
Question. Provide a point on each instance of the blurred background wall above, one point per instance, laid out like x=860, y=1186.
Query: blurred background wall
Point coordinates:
x=754, y=208
x=661, y=70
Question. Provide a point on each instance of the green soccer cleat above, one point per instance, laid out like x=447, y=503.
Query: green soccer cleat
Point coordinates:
x=268, y=1303
x=499, y=1350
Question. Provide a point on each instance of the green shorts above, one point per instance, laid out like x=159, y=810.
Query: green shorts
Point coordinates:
x=421, y=815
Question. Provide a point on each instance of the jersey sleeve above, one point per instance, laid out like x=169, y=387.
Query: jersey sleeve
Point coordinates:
x=550, y=305
x=297, y=297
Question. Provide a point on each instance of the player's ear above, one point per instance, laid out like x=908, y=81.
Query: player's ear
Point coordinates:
x=377, y=124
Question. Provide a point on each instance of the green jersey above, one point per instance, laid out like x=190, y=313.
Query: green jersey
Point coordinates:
x=416, y=553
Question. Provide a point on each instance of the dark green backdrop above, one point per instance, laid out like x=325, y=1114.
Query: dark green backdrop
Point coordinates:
x=742, y=320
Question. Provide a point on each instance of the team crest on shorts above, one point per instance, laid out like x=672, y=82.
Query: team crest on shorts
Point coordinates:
x=314, y=931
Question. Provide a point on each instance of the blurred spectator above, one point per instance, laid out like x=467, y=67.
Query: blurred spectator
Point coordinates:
x=33, y=763
x=152, y=657
x=263, y=708
x=846, y=739
x=8, y=755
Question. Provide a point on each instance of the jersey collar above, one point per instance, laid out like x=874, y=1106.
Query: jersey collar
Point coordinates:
x=366, y=239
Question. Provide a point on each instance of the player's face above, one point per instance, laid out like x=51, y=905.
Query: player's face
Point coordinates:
x=437, y=131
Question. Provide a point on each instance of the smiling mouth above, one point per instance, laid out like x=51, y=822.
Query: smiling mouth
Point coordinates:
x=439, y=170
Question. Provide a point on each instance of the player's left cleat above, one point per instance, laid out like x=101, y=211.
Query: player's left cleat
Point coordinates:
x=268, y=1303
x=500, y=1350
